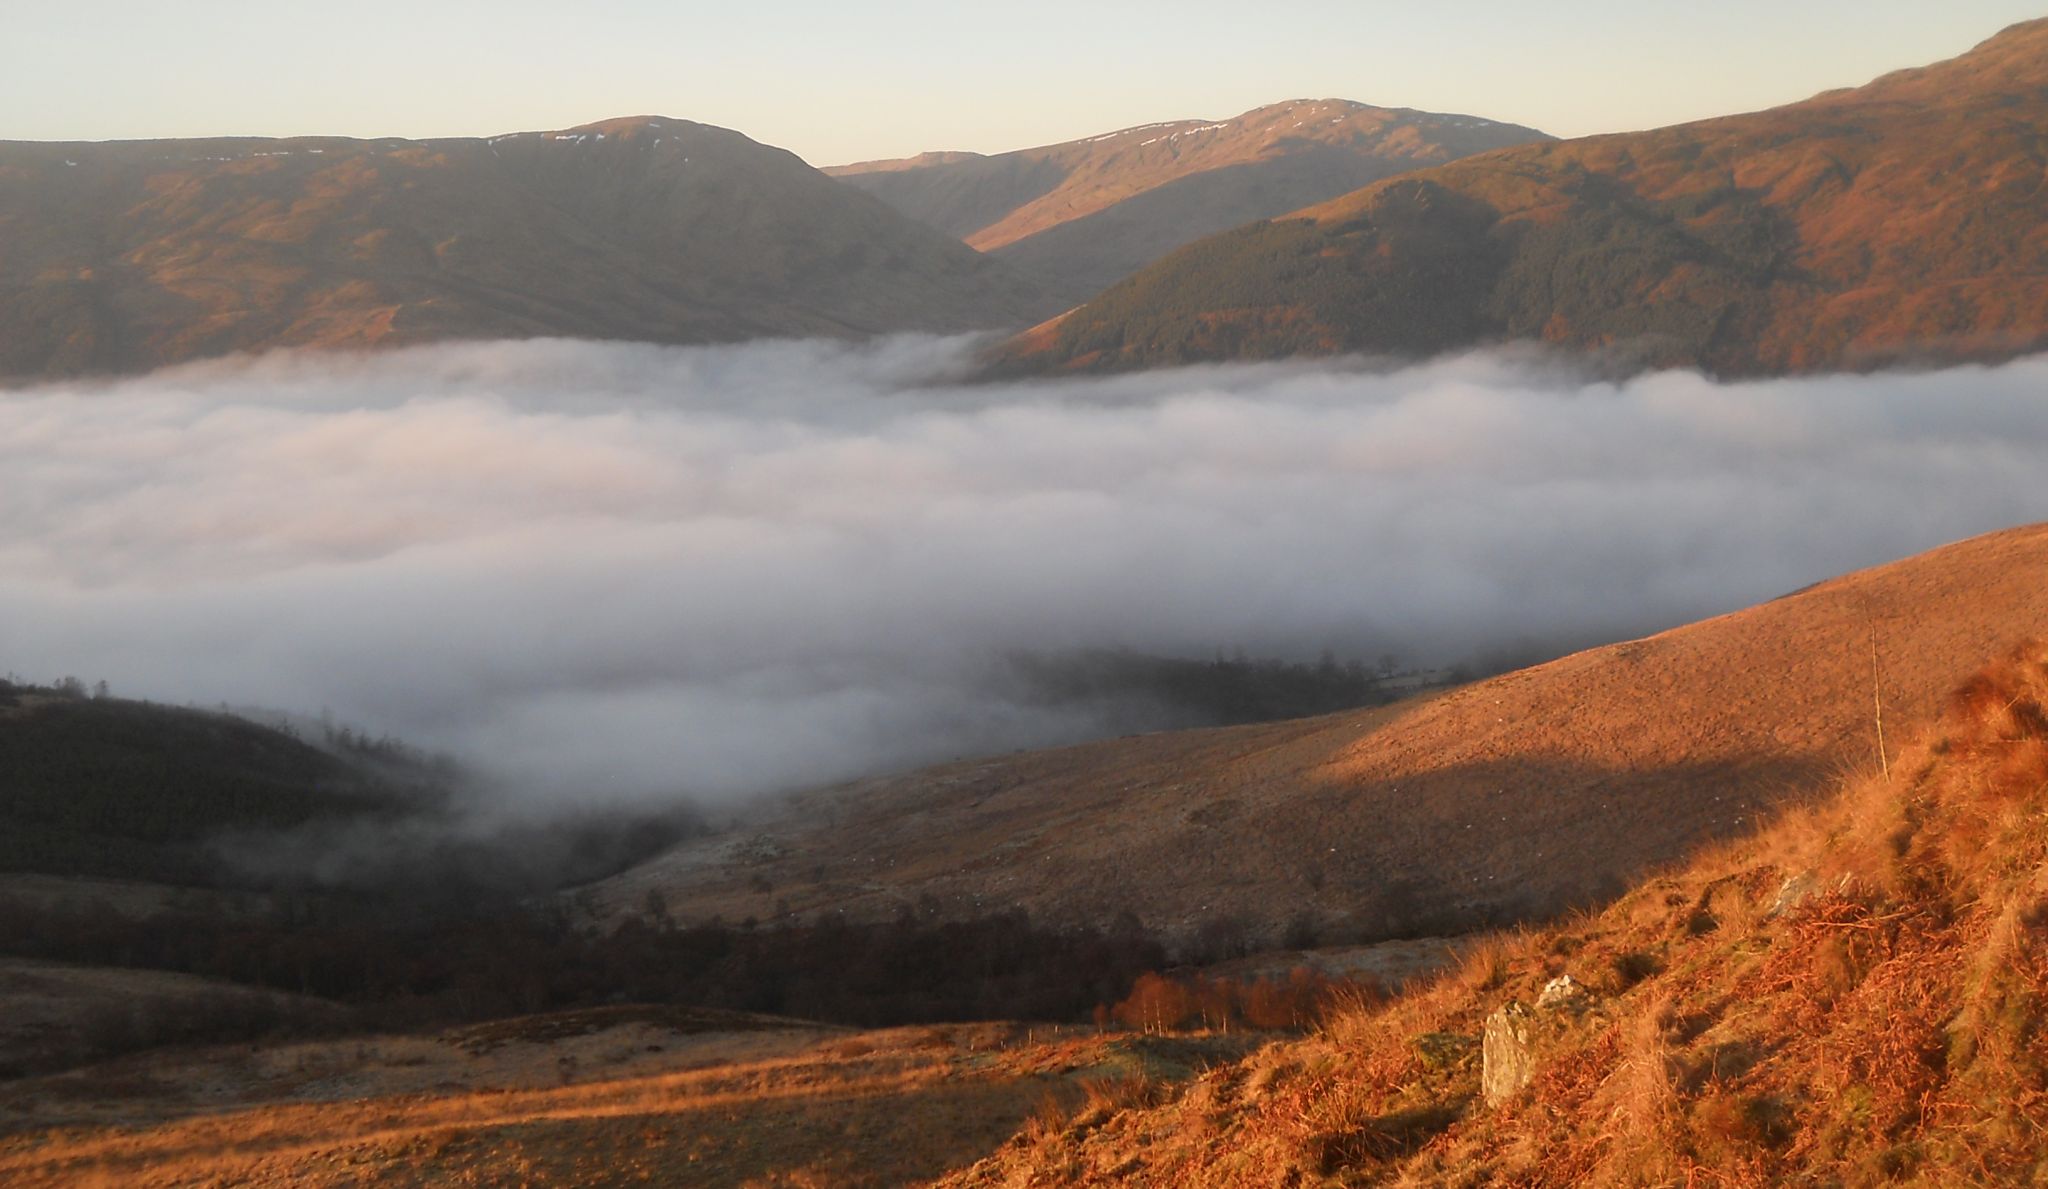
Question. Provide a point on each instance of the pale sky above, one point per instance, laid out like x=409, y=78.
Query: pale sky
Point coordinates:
x=838, y=82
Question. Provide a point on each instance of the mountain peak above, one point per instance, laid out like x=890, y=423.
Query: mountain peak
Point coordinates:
x=1079, y=215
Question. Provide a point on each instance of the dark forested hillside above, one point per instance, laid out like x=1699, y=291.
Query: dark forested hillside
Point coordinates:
x=109, y=787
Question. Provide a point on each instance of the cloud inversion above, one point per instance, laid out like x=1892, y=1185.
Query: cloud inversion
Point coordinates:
x=616, y=572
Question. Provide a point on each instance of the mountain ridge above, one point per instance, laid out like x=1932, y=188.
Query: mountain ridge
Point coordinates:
x=1894, y=221
x=1081, y=214
x=133, y=254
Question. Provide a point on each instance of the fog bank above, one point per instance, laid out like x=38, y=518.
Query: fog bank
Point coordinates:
x=611, y=572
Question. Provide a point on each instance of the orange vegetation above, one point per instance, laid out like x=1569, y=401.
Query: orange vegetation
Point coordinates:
x=1854, y=995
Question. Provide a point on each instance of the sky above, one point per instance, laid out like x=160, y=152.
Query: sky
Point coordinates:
x=617, y=572
x=837, y=82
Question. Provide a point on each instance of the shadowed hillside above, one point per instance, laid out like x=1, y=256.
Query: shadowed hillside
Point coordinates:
x=1505, y=799
x=131, y=790
x=156, y=798
x=1901, y=220
x=1853, y=996
x=125, y=256
x=1079, y=216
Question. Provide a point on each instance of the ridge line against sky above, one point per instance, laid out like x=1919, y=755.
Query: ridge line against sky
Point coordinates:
x=837, y=83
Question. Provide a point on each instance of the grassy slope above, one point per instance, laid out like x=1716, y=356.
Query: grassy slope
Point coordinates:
x=1902, y=218
x=1508, y=798
x=638, y=1098
x=1854, y=995
x=56, y=1016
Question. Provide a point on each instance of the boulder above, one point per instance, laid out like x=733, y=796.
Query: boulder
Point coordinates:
x=1507, y=1055
x=1564, y=993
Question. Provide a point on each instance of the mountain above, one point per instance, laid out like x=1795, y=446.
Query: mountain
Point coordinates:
x=1503, y=800
x=127, y=256
x=1080, y=216
x=1900, y=220
x=1853, y=996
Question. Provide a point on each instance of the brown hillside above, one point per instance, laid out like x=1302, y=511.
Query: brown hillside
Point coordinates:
x=1853, y=996
x=1903, y=218
x=127, y=256
x=1505, y=799
x=1079, y=216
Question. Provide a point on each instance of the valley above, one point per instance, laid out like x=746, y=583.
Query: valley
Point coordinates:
x=1335, y=646
x=1512, y=798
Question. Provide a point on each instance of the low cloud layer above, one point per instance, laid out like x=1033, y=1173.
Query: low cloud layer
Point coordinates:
x=613, y=572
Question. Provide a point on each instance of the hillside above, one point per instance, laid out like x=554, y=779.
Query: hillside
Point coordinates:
x=1853, y=996
x=127, y=256
x=1850, y=994
x=1079, y=216
x=1503, y=799
x=1900, y=220
x=137, y=791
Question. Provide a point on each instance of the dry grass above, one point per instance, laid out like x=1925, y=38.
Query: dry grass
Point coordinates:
x=1505, y=800
x=1854, y=995
x=610, y=1098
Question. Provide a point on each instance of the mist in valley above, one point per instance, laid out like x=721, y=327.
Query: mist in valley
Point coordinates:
x=624, y=576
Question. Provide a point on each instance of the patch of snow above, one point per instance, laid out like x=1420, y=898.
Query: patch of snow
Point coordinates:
x=1128, y=131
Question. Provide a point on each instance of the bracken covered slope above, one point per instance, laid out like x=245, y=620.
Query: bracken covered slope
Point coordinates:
x=1900, y=219
x=1504, y=799
x=127, y=256
x=1079, y=216
x=1857, y=995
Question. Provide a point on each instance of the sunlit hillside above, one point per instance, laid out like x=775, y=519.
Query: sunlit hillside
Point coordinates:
x=1896, y=221
x=1851, y=996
